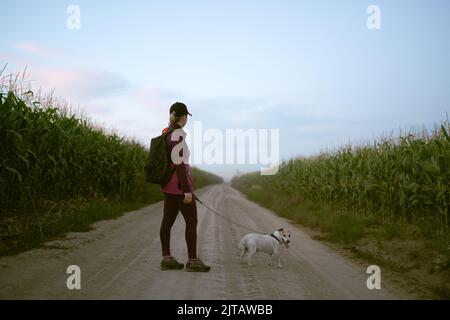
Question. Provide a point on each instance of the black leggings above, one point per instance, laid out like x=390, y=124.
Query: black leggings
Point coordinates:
x=173, y=203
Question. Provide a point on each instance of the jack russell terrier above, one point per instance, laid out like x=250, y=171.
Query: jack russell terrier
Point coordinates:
x=271, y=244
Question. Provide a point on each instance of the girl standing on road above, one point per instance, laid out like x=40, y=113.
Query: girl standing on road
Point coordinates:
x=178, y=197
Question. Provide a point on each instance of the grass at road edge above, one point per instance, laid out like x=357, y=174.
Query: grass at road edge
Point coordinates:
x=74, y=216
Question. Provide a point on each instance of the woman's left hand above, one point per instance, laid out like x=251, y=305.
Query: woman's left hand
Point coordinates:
x=187, y=198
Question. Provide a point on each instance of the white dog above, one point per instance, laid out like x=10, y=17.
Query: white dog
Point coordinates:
x=271, y=244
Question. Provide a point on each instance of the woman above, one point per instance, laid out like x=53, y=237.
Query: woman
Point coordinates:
x=178, y=196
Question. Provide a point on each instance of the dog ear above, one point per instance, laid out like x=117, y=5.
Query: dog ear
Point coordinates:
x=281, y=229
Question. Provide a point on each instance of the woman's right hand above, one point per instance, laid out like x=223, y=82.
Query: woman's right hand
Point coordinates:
x=187, y=198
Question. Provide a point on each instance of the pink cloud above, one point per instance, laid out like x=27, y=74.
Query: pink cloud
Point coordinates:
x=13, y=62
x=78, y=84
x=34, y=48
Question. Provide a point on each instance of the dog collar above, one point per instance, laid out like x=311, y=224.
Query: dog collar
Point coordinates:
x=272, y=235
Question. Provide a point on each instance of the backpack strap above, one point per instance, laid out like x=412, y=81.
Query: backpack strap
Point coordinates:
x=165, y=132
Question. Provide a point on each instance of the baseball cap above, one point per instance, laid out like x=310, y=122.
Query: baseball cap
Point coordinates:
x=180, y=109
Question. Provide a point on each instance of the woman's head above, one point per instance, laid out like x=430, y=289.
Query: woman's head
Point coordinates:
x=178, y=114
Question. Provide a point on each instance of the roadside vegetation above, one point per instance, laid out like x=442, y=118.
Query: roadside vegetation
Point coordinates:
x=387, y=201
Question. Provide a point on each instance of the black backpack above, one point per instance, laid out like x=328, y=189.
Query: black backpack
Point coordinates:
x=158, y=168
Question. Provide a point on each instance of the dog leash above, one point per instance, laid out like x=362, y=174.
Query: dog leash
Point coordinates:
x=223, y=217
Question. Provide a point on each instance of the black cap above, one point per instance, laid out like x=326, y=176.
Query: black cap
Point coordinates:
x=180, y=109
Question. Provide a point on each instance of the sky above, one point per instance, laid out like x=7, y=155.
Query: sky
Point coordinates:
x=311, y=69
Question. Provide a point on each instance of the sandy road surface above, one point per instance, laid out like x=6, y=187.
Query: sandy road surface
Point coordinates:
x=120, y=259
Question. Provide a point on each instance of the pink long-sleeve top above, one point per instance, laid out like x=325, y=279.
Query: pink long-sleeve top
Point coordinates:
x=181, y=180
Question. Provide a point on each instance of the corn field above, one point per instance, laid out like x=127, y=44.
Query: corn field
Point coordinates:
x=45, y=155
x=402, y=179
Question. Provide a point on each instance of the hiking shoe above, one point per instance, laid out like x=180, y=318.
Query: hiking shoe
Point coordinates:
x=196, y=265
x=171, y=264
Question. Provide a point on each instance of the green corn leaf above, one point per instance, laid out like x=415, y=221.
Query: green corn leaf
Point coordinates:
x=12, y=170
x=444, y=132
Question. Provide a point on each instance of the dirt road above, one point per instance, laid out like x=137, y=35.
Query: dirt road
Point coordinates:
x=120, y=259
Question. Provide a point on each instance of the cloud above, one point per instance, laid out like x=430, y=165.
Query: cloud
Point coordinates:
x=157, y=99
x=13, y=62
x=34, y=48
x=261, y=113
x=79, y=85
